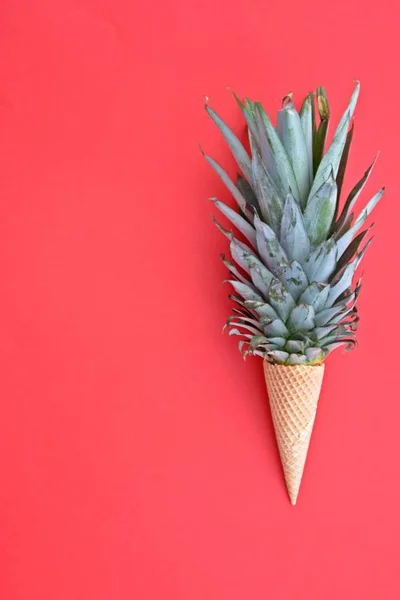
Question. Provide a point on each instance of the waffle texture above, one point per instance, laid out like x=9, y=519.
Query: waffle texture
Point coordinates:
x=293, y=396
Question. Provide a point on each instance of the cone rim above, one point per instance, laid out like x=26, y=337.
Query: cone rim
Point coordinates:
x=272, y=364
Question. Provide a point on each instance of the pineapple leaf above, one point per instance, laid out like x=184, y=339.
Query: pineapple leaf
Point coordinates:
x=330, y=347
x=343, y=163
x=258, y=340
x=323, y=104
x=234, y=270
x=269, y=200
x=332, y=157
x=247, y=191
x=245, y=291
x=320, y=301
x=297, y=359
x=265, y=311
x=282, y=162
x=280, y=299
x=321, y=263
x=351, y=250
x=320, y=210
x=249, y=116
x=239, y=222
x=268, y=246
x=246, y=307
x=278, y=356
x=321, y=332
x=244, y=326
x=292, y=137
x=302, y=318
x=295, y=346
x=236, y=147
x=352, y=198
x=344, y=240
x=345, y=227
x=293, y=236
x=231, y=187
x=222, y=229
x=315, y=294
x=276, y=329
x=242, y=254
x=342, y=313
x=293, y=278
x=346, y=278
x=326, y=315
x=314, y=356
x=311, y=293
x=278, y=342
x=319, y=144
x=261, y=278
x=235, y=331
x=321, y=133
x=267, y=155
x=307, y=118
x=241, y=318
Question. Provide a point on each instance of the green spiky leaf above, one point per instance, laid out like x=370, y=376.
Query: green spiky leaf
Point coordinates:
x=293, y=237
x=235, y=145
x=292, y=137
x=239, y=222
x=322, y=131
x=331, y=158
x=282, y=162
x=319, y=214
x=302, y=318
x=307, y=118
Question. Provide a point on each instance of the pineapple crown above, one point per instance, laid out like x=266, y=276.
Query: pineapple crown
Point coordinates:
x=293, y=277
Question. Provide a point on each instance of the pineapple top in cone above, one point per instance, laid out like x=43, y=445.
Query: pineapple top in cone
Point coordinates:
x=296, y=243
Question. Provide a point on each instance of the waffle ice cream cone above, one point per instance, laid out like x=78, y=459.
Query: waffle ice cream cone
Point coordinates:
x=293, y=396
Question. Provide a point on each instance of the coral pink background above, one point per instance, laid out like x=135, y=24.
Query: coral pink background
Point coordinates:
x=137, y=453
